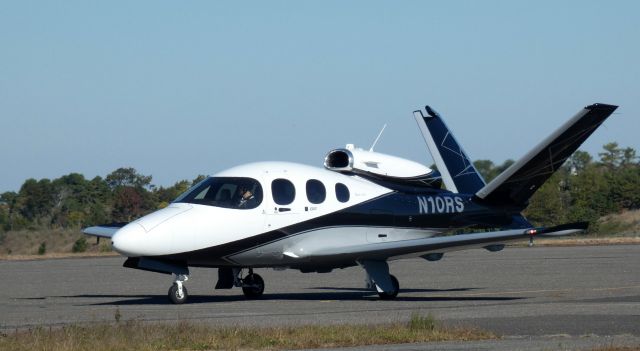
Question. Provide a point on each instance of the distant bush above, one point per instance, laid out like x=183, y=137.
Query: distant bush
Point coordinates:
x=105, y=247
x=42, y=249
x=79, y=246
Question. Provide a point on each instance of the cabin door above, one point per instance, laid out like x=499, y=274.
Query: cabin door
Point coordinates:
x=282, y=202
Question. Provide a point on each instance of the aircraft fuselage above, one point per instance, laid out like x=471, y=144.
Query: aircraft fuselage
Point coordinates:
x=296, y=234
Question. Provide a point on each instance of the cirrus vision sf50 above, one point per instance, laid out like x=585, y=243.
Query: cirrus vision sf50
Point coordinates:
x=363, y=208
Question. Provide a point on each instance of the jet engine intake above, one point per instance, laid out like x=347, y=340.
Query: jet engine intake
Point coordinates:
x=339, y=160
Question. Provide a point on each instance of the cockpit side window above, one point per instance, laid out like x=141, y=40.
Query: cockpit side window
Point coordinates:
x=342, y=192
x=284, y=192
x=229, y=192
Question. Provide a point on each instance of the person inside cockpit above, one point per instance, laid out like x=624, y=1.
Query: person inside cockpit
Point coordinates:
x=246, y=197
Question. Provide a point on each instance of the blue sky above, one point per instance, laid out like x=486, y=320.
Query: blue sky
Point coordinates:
x=177, y=89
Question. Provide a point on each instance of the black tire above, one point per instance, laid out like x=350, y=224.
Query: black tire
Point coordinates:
x=254, y=286
x=391, y=295
x=173, y=294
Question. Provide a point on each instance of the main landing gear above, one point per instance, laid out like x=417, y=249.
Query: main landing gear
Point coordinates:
x=252, y=285
x=389, y=295
x=378, y=278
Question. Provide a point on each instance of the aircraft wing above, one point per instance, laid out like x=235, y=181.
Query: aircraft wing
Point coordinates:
x=104, y=230
x=441, y=244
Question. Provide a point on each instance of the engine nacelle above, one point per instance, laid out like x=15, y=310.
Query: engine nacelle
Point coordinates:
x=380, y=166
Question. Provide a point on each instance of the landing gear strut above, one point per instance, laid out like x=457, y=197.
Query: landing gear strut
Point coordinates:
x=178, y=292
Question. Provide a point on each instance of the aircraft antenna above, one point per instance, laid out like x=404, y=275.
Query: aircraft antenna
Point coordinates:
x=378, y=137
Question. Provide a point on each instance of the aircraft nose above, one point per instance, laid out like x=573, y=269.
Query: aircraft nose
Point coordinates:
x=128, y=239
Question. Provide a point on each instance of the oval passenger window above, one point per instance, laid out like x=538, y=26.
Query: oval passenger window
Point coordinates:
x=316, y=192
x=342, y=192
x=283, y=191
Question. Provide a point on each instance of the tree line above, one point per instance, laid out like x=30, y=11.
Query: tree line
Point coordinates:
x=584, y=189
x=72, y=201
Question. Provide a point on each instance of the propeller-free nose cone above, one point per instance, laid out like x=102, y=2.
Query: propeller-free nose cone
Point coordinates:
x=128, y=240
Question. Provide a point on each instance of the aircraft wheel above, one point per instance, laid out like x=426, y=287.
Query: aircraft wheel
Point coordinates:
x=253, y=286
x=174, y=295
x=394, y=293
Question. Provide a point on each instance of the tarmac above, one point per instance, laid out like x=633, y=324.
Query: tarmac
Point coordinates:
x=572, y=296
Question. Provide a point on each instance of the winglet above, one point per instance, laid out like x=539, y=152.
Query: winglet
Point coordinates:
x=458, y=173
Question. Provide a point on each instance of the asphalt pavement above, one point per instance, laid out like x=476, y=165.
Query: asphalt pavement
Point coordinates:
x=519, y=293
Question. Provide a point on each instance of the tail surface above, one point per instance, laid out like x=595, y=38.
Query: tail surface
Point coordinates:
x=516, y=184
x=458, y=173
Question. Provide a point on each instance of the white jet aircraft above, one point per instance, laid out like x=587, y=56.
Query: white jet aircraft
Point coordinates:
x=364, y=208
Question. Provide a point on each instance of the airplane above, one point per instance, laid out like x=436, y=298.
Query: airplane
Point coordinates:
x=364, y=208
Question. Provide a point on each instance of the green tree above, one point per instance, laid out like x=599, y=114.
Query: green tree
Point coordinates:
x=624, y=187
x=4, y=217
x=128, y=204
x=79, y=245
x=589, y=194
x=127, y=177
x=42, y=249
x=612, y=155
x=131, y=199
x=547, y=205
x=99, y=211
x=485, y=168
x=36, y=200
x=15, y=220
x=72, y=197
x=579, y=161
x=629, y=158
x=165, y=195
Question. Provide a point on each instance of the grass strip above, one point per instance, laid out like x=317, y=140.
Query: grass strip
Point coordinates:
x=136, y=335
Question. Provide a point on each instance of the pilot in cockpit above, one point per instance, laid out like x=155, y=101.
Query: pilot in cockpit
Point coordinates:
x=246, y=197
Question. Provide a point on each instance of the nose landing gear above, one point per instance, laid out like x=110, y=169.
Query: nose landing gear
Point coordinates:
x=178, y=292
x=252, y=285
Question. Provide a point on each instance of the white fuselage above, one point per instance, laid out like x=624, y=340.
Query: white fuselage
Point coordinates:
x=187, y=227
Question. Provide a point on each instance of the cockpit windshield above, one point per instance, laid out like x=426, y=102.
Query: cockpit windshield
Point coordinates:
x=229, y=192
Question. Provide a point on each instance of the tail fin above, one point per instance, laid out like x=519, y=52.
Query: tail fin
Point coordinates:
x=516, y=184
x=458, y=173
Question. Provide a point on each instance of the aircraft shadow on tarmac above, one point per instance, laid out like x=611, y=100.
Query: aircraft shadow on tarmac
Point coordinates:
x=353, y=294
x=401, y=290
